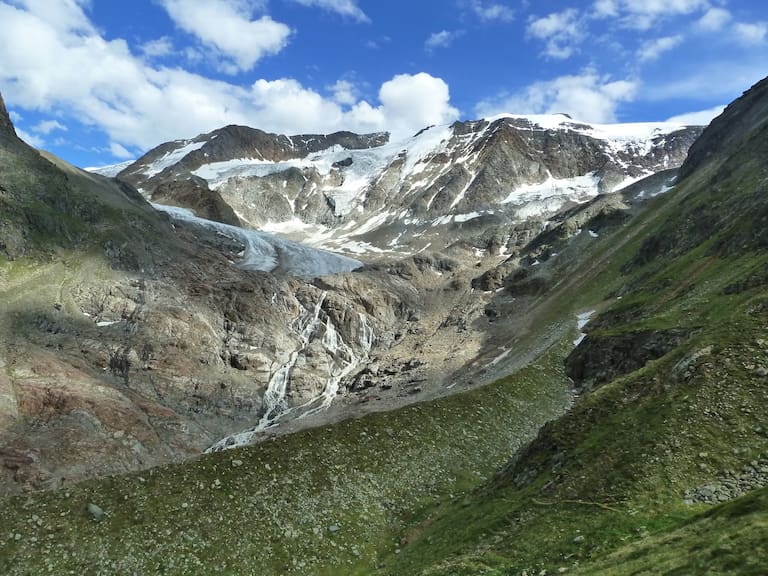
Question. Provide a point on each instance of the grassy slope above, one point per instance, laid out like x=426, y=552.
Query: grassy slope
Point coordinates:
x=601, y=490
x=273, y=508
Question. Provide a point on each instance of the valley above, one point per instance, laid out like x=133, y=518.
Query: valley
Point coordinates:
x=518, y=345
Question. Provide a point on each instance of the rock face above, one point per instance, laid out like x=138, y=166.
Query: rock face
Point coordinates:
x=597, y=360
x=743, y=116
x=195, y=194
x=5, y=120
x=435, y=188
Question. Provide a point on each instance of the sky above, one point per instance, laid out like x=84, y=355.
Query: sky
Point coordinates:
x=98, y=82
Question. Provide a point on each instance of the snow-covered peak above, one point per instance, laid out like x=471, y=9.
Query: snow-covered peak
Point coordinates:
x=111, y=170
x=619, y=132
x=354, y=192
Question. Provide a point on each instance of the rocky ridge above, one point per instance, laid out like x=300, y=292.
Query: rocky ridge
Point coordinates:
x=446, y=184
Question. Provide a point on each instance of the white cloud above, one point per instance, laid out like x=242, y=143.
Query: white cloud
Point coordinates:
x=653, y=49
x=344, y=92
x=562, y=32
x=289, y=104
x=441, y=39
x=699, y=118
x=492, y=11
x=643, y=14
x=48, y=126
x=605, y=9
x=344, y=7
x=138, y=105
x=227, y=27
x=411, y=102
x=157, y=48
x=63, y=14
x=751, y=33
x=587, y=97
x=714, y=19
x=120, y=152
x=408, y=103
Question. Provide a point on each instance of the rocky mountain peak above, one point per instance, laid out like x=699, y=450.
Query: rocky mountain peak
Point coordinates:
x=746, y=115
x=5, y=120
x=362, y=188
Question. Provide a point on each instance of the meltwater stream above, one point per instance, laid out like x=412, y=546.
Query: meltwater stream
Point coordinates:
x=270, y=253
x=345, y=359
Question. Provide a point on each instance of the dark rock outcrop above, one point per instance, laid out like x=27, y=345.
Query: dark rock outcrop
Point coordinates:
x=6, y=125
x=193, y=192
x=599, y=359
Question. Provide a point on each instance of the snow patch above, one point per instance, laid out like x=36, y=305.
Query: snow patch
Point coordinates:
x=499, y=358
x=172, y=157
x=459, y=218
x=577, y=189
x=111, y=170
x=581, y=321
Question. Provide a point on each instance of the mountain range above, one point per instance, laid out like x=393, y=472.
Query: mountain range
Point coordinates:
x=519, y=345
x=366, y=194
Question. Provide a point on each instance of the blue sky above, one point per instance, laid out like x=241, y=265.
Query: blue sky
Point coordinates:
x=100, y=81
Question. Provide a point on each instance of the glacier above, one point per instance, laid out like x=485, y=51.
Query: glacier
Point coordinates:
x=269, y=253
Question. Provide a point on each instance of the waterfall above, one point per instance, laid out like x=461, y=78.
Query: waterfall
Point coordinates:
x=344, y=361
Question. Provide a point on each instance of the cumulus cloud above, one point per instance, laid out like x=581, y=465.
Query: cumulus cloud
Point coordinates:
x=588, y=97
x=157, y=48
x=714, y=19
x=228, y=27
x=699, y=118
x=561, y=31
x=441, y=39
x=643, y=14
x=751, y=32
x=653, y=49
x=347, y=8
x=411, y=102
x=138, y=105
x=344, y=92
x=492, y=11
x=47, y=126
